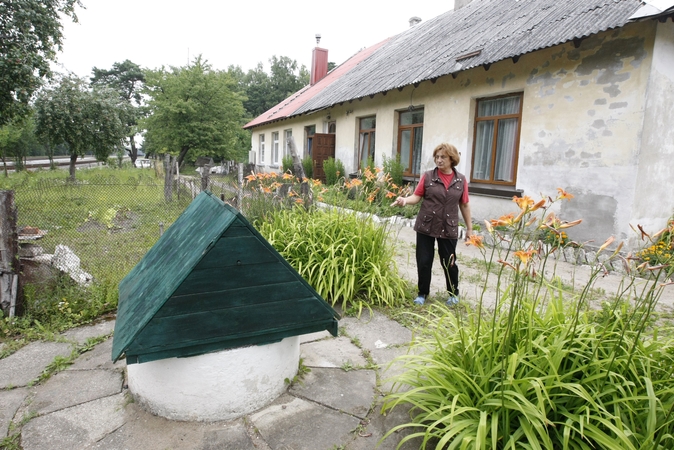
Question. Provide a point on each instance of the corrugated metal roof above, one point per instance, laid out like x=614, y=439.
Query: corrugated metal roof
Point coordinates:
x=498, y=29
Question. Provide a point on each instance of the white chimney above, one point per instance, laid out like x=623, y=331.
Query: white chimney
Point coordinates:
x=414, y=21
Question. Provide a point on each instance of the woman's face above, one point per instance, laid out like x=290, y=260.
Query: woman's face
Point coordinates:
x=442, y=160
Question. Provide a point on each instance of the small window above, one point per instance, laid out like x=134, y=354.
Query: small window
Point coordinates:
x=261, y=148
x=366, y=140
x=496, y=143
x=332, y=127
x=410, y=138
x=287, y=134
x=309, y=132
x=274, y=148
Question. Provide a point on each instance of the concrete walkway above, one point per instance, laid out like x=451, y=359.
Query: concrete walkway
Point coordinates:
x=336, y=406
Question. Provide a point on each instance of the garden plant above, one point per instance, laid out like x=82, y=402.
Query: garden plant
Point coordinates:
x=537, y=367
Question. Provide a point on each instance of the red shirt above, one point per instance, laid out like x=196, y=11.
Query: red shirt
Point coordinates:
x=446, y=179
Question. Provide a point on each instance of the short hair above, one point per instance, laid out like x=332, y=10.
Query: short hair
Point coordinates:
x=450, y=150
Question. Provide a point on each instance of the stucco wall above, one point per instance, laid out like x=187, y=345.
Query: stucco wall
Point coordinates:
x=588, y=115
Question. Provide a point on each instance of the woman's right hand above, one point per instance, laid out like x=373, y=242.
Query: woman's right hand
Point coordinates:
x=400, y=201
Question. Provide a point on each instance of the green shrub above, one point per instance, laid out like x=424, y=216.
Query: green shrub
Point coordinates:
x=308, y=165
x=394, y=168
x=334, y=171
x=288, y=164
x=537, y=369
x=344, y=257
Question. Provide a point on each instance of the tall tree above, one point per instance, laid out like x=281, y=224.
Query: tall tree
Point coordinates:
x=266, y=90
x=30, y=35
x=128, y=79
x=193, y=109
x=17, y=140
x=84, y=119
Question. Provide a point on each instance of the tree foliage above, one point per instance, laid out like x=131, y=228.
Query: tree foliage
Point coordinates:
x=267, y=90
x=196, y=110
x=30, y=35
x=128, y=80
x=84, y=119
x=17, y=141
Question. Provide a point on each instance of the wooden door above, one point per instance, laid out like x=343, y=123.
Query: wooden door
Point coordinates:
x=323, y=148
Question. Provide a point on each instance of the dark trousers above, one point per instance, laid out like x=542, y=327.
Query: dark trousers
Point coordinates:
x=425, y=255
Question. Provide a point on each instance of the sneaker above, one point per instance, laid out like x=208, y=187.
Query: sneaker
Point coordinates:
x=453, y=300
x=419, y=300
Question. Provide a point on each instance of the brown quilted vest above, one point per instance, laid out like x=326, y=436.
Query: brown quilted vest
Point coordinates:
x=439, y=213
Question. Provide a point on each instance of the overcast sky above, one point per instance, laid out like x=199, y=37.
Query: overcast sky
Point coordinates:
x=155, y=33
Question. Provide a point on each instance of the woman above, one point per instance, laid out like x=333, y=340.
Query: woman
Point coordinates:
x=445, y=193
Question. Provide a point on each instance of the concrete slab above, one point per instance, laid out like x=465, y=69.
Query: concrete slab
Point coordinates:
x=100, y=357
x=27, y=363
x=74, y=387
x=9, y=404
x=143, y=430
x=81, y=334
x=375, y=429
x=332, y=353
x=351, y=392
x=75, y=427
x=379, y=335
x=293, y=423
x=311, y=337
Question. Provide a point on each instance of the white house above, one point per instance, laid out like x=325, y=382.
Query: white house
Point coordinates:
x=536, y=94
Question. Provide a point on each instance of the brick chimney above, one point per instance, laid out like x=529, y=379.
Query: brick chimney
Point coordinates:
x=319, y=62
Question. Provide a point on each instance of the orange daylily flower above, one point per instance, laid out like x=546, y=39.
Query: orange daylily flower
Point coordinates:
x=524, y=256
x=288, y=176
x=489, y=226
x=299, y=201
x=570, y=224
x=251, y=177
x=538, y=205
x=563, y=194
x=390, y=194
x=523, y=202
x=475, y=240
x=608, y=242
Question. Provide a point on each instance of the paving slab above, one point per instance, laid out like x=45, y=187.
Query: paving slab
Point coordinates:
x=334, y=352
x=76, y=427
x=382, y=337
x=145, y=431
x=74, y=387
x=293, y=423
x=373, y=431
x=100, y=357
x=27, y=363
x=311, y=337
x=9, y=404
x=351, y=392
x=81, y=334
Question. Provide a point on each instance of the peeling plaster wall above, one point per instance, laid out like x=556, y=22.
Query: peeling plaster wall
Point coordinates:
x=654, y=200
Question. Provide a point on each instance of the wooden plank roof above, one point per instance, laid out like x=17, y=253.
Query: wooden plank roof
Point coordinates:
x=210, y=283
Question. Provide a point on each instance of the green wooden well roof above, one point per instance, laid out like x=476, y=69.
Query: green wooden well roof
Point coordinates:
x=210, y=283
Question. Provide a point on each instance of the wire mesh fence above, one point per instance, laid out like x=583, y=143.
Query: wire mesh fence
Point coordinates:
x=101, y=227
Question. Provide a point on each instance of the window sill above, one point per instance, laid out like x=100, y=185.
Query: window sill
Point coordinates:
x=494, y=190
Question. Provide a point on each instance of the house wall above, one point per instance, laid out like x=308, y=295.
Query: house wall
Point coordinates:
x=654, y=200
x=593, y=122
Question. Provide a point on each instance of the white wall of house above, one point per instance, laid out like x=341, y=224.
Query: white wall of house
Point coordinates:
x=597, y=121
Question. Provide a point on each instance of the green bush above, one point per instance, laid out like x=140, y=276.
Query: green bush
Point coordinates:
x=308, y=165
x=394, y=168
x=537, y=369
x=334, y=171
x=344, y=257
x=287, y=163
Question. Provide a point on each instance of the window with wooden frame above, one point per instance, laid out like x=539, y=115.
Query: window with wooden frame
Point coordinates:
x=287, y=134
x=274, y=148
x=497, y=137
x=261, y=148
x=410, y=138
x=366, y=140
x=309, y=132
